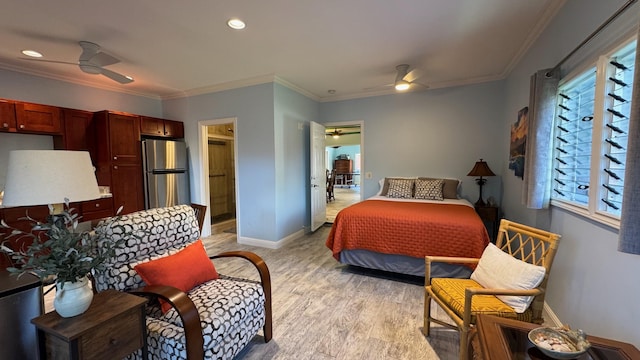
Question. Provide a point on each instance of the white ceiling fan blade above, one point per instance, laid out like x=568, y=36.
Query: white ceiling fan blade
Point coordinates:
x=413, y=75
x=89, y=50
x=103, y=59
x=50, y=61
x=402, y=70
x=122, y=79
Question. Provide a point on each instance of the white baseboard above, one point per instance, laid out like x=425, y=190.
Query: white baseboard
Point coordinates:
x=270, y=244
x=549, y=316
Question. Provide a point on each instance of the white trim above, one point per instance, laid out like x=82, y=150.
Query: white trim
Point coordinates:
x=203, y=150
x=550, y=317
x=270, y=244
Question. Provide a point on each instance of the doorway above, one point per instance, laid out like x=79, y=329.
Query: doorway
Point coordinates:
x=222, y=177
x=344, y=154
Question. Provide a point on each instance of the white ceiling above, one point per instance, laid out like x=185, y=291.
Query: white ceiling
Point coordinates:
x=176, y=48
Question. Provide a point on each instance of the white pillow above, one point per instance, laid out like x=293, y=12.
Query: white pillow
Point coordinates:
x=499, y=270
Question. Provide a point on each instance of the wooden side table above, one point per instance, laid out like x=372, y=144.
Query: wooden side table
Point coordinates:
x=490, y=214
x=113, y=327
x=505, y=339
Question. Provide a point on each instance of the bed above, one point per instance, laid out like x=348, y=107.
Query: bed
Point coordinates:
x=394, y=231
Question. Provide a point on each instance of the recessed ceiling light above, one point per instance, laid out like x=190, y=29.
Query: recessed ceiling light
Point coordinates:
x=236, y=24
x=32, y=53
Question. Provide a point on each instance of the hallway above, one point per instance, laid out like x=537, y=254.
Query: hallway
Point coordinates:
x=345, y=196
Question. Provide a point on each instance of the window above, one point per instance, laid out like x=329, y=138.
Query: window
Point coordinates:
x=590, y=136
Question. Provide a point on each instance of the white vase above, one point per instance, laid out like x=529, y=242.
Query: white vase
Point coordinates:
x=73, y=298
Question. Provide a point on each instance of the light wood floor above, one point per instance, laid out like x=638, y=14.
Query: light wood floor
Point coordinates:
x=344, y=196
x=325, y=310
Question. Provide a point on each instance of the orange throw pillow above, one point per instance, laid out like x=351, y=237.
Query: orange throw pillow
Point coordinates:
x=183, y=270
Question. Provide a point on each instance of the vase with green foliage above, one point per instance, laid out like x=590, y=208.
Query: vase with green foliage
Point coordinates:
x=58, y=250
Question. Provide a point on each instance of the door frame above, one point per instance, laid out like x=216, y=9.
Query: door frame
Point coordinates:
x=204, y=181
x=362, y=168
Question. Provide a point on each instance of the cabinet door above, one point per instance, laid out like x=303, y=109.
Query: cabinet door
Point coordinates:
x=126, y=187
x=151, y=126
x=124, y=138
x=7, y=115
x=36, y=118
x=78, y=132
x=174, y=129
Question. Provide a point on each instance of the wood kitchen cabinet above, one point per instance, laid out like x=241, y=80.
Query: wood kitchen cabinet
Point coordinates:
x=17, y=116
x=119, y=159
x=38, y=119
x=77, y=132
x=155, y=127
x=7, y=115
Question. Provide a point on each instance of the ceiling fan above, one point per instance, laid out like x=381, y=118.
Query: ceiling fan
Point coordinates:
x=93, y=61
x=405, y=79
x=336, y=133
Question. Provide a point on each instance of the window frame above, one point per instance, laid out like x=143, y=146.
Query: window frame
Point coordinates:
x=601, y=64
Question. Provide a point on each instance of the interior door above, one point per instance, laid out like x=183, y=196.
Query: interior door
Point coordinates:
x=218, y=178
x=318, y=179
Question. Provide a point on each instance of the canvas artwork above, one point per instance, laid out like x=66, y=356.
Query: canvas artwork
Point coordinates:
x=519, y=142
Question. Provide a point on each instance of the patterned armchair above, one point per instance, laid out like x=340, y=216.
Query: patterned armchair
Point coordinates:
x=213, y=320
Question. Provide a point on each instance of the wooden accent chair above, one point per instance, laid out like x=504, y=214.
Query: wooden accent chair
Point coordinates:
x=463, y=299
x=201, y=212
x=216, y=318
x=331, y=183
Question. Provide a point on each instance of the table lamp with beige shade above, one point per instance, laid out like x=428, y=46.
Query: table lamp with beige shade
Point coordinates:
x=48, y=177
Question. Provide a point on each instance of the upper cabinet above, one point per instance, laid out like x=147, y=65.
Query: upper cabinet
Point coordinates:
x=17, y=116
x=78, y=133
x=155, y=127
x=36, y=118
x=7, y=115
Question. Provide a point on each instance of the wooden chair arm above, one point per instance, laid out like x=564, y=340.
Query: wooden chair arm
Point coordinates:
x=451, y=259
x=187, y=311
x=265, y=280
x=448, y=259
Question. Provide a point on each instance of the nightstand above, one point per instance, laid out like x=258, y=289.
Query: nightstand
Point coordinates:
x=490, y=214
x=112, y=328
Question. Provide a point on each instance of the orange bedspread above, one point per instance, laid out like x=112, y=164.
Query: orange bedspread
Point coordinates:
x=408, y=228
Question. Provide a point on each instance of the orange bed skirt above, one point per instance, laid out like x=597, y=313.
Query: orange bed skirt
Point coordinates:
x=409, y=228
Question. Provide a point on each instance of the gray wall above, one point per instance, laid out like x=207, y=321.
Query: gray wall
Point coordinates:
x=591, y=284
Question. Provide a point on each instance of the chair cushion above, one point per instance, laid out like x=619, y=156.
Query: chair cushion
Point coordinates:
x=451, y=292
x=183, y=270
x=499, y=270
x=227, y=307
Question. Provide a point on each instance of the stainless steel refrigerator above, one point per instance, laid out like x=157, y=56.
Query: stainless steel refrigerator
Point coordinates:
x=166, y=179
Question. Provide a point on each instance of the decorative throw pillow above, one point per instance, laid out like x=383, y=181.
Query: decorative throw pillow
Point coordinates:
x=400, y=188
x=449, y=189
x=384, y=184
x=183, y=270
x=499, y=270
x=429, y=189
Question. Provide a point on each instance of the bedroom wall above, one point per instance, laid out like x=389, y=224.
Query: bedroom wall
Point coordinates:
x=592, y=285
x=292, y=114
x=253, y=107
x=438, y=132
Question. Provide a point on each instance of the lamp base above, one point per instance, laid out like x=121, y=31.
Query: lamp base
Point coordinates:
x=480, y=203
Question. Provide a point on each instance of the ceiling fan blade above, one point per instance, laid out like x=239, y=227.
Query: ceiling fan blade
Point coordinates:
x=103, y=59
x=413, y=75
x=50, y=61
x=116, y=76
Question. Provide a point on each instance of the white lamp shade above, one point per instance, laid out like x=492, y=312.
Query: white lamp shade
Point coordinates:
x=43, y=177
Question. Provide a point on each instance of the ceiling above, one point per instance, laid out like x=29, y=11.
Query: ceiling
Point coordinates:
x=327, y=50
